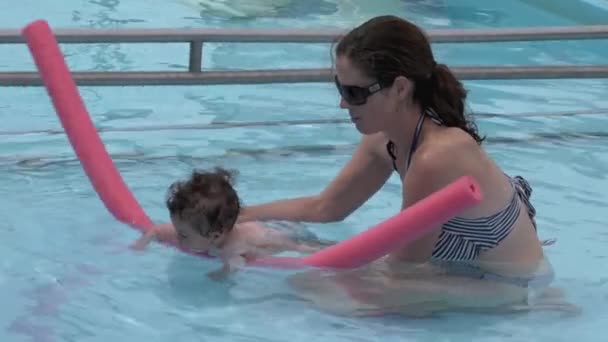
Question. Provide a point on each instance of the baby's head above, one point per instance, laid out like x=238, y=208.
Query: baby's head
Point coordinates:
x=203, y=208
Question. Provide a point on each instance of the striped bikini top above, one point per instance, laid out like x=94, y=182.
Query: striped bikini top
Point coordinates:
x=463, y=239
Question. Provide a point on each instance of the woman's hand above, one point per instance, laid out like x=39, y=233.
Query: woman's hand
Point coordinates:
x=243, y=217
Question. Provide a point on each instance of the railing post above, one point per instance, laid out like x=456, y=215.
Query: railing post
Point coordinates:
x=195, y=63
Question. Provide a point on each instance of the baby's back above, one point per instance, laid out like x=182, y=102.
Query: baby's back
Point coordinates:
x=262, y=240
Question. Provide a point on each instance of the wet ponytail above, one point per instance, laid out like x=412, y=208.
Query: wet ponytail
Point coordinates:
x=443, y=93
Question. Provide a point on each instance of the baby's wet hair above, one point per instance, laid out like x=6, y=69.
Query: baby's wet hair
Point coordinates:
x=207, y=201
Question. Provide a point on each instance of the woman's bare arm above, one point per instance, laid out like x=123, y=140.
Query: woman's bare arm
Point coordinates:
x=360, y=178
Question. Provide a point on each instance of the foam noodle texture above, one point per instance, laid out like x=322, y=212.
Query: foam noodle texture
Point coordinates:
x=406, y=226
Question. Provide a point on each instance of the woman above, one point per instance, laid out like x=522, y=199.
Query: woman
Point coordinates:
x=410, y=111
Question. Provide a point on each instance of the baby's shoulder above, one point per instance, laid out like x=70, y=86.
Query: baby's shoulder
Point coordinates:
x=244, y=236
x=251, y=225
x=253, y=231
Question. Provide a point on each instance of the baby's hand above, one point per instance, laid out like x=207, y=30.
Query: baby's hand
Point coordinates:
x=230, y=266
x=141, y=243
x=162, y=232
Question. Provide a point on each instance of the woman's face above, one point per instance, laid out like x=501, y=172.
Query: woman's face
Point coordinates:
x=371, y=108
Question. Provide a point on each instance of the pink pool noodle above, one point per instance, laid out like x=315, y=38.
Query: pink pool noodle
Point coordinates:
x=404, y=227
x=424, y=217
x=80, y=129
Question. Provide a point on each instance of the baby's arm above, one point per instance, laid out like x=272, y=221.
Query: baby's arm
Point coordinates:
x=230, y=266
x=232, y=256
x=162, y=232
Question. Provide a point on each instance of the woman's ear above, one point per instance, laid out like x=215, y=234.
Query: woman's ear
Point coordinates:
x=215, y=235
x=402, y=88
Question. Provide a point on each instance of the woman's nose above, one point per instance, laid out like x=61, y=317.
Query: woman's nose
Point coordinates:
x=343, y=104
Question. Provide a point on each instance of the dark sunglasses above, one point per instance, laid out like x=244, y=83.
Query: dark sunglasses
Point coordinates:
x=355, y=95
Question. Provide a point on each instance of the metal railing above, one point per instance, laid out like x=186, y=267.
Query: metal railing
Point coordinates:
x=195, y=75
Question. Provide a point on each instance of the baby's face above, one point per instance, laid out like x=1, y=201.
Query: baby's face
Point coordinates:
x=189, y=238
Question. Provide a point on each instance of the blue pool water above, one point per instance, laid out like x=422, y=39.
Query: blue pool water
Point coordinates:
x=66, y=276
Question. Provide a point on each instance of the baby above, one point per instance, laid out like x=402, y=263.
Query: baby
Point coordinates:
x=204, y=210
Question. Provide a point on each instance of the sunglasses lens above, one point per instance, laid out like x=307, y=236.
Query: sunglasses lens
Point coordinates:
x=355, y=95
x=352, y=94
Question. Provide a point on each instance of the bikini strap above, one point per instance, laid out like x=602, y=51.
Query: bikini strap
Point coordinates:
x=434, y=116
x=524, y=192
x=390, y=146
x=415, y=139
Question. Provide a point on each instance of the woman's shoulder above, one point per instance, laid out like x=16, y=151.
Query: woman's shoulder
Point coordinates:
x=447, y=149
x=454, y=154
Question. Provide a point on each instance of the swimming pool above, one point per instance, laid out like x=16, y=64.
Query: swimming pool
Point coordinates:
x=64, y=268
